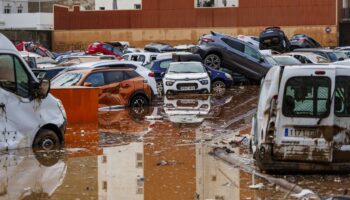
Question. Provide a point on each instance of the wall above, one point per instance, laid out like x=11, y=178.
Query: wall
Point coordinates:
x=179, y=22
x=79, y=39
x=29, y=21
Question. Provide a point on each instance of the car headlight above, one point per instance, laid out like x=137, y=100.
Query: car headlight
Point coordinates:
x=204, y=81
x=169, y=83
x=228, y=76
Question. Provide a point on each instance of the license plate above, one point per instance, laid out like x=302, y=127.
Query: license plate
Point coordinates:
x=308, y=133
x=188, y=88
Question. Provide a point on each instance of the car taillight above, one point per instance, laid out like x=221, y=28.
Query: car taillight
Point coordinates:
x=151, y=74
x=207, y=40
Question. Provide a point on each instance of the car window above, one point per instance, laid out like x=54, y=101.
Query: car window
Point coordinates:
x=130, y=75
x=107, y=47
x=141, y=58
x=286, y=60
x=255, y=38
x=306, y=97
x=252, y=52
x=113, y=77
x=165, y=64
x=234, y=44
x=154, y=57
x=96, y=79
x=186, y=68
x=342, y=96
x=271, y=60
x=117, y=51
x=134, y=58
x=126, y=57
x=13, y=76
x=321, y=60
x=149, y=65
x=66, y=79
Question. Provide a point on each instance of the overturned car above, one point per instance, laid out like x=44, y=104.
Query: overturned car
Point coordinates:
x=303, y=119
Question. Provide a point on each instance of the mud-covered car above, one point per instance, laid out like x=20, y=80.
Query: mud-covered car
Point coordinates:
x=274, y=38
x=303, y=119
x=330, y=54
x=219, y=50
x=303, y=41
x=29, y=115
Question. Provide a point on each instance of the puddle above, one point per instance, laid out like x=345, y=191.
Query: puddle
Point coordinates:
x=160, y=153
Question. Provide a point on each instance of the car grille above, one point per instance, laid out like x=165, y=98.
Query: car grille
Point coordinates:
x=178, y=86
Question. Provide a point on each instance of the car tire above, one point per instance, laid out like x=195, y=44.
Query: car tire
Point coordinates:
x=139, y=104
x=212, y=60
x=218, y=87
x=160, y=87
x=46, y=139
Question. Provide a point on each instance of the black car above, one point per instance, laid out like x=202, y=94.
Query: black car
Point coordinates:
x=330, y=54
x=219, y=50
x=303, y=41
x=275, y=39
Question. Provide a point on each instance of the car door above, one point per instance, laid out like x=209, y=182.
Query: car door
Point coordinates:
x=232, y=55
x=255, y=62
x=19, y=122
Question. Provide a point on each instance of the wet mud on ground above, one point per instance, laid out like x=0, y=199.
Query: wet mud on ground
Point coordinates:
x=162, y=152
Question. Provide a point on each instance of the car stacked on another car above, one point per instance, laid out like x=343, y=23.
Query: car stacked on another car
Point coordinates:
x=186, y=77
x=119, y=86
x=253, y=40
x=219, y=50
x=274, y=38
x=303, y=41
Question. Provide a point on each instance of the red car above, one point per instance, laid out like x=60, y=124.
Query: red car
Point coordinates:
x=35, y=48
x=107, y=49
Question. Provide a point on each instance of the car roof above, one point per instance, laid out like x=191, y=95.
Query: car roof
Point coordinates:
x=88, y=70
x=315, y=67
x=191, y=62
x=105, y=62
x=7, y=45
x=314, y=49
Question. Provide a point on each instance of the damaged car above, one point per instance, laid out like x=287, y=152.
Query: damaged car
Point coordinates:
x=274, y=38
x=302, y=122
x=29, y=114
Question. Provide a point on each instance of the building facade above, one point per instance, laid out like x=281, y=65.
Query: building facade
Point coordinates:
x=118, y=4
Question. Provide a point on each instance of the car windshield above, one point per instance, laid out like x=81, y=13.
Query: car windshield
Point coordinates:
x=271, y=60
x=287, y=60
x=186, y=68
x=44, y=60
x=336, y=56
x=66, y=79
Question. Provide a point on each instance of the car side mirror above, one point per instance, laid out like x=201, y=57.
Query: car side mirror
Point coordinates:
x=341, y=59
x=162, y=74
x=44, y=88
x=87, y=84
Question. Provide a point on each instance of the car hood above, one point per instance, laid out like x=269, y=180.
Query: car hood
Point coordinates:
x=182, y=76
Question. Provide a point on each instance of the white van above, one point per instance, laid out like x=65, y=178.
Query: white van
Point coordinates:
x=303, y=119
x=29, y=115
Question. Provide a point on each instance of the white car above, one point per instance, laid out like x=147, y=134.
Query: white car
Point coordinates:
x=249, y=39
x=286, y=60
x=186, y=77
x=144, y=72
x=29, y=115
x=309, y=58
x=143, y=57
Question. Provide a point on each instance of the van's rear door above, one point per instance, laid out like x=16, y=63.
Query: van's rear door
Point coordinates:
x=341, y=134
x=304, y=116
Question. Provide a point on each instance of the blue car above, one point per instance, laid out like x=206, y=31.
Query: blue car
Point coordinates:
x=219, y=80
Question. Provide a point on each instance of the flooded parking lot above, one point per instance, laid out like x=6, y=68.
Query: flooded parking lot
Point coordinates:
x=160, y=152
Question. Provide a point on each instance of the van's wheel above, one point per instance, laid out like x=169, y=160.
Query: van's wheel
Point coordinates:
x=212, y=60
x=160, y=87
x=46, y=139
x=219, y=87
x=138, y=104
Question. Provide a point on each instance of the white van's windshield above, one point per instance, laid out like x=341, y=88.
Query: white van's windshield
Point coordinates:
x=306, y=97
x=66, y=79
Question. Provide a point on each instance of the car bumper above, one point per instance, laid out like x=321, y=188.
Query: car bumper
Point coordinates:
x=187, y=86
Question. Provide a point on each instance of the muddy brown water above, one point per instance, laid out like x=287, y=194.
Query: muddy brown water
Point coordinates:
x=156, y=154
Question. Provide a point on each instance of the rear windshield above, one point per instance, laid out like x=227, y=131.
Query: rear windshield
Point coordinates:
x=306, y=97
x=66, y=79
x=342, y=96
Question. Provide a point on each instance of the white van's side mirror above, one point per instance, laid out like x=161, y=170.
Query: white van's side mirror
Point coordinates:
x=44, y=88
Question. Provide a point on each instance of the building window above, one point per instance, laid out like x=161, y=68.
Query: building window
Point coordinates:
x=102, y=8
x=7, y=9
x=137, y=6
x=20, y=9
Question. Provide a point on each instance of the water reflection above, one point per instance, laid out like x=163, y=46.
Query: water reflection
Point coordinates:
x=150, y=155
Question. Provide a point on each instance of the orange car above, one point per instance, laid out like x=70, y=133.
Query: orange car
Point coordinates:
x=122, y=86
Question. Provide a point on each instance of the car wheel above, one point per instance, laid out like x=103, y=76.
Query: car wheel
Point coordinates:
x=46, y=140
x=212, y=60
x=138, y=104
x=219, y=87
x=160, y=87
